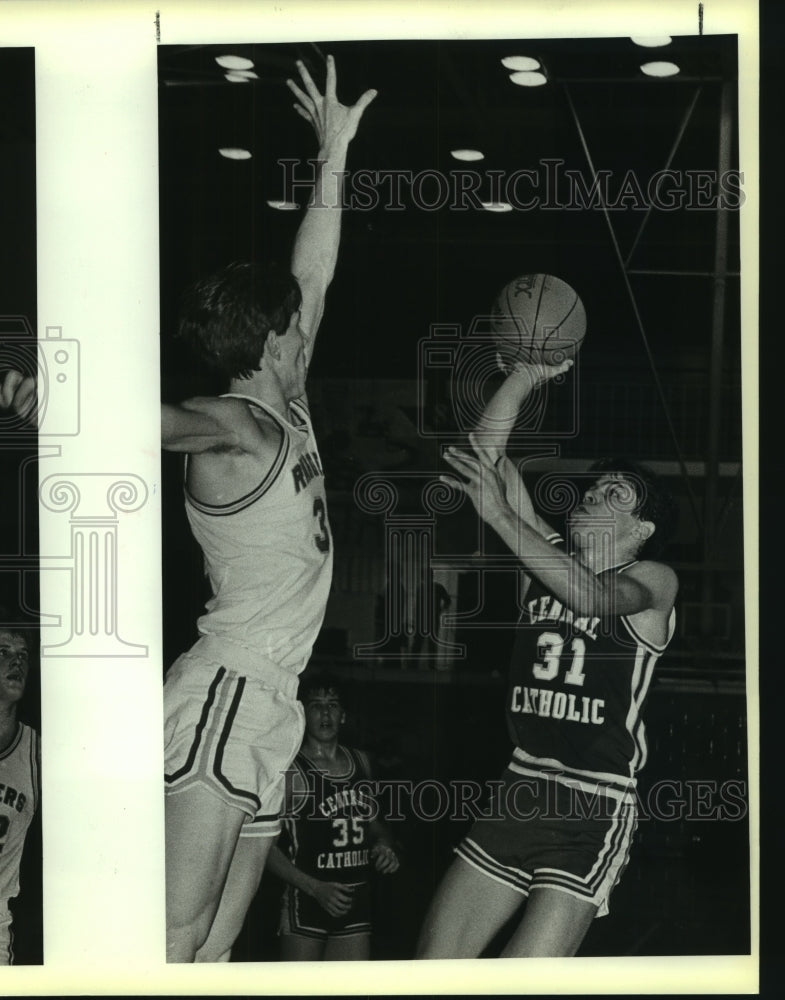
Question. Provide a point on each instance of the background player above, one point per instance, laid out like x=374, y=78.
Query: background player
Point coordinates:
x=333, y=838
x=20, y=752
x=256, y=503
x=19, y=769
x=593, y=625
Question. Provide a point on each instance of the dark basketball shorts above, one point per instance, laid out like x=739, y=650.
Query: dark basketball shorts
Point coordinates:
x=302, y=916
x=233, y=733
x=548, y=832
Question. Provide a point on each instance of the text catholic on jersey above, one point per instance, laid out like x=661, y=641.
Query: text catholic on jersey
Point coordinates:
x=557, y=705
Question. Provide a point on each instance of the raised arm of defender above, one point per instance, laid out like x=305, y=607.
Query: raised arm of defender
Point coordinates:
x=206, y=423
x=316, y=245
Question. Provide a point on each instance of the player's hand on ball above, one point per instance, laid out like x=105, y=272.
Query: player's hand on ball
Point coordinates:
x=18, y=393
x=334, y=897
x=537, y=373
x=385, y=859
x=331, y=120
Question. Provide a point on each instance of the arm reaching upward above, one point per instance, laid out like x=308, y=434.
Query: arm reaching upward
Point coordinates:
x=501, y=411
x=489, y=439
x=205, y=424
x=316, y=245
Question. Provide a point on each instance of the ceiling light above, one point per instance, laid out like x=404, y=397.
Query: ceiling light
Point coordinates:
x=496, y=206
x=236, y=77
x=525, y=63
x=651, y=41
x=660, y=69
x=284, y=206
x=234, y=62
x=527, y=79
x=467, y=154
x=232, y=153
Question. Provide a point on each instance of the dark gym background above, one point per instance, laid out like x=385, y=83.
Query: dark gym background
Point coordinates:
x=19, y=447
x=658, y=380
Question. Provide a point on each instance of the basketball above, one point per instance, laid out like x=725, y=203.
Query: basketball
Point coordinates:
x=538, y=319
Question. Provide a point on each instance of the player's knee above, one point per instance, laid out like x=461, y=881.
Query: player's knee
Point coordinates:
x=183, y=943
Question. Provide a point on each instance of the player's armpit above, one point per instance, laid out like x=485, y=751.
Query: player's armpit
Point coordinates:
x=205, y=423
x=647, y=586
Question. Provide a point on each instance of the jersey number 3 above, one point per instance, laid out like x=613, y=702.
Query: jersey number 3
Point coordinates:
x=322, y=540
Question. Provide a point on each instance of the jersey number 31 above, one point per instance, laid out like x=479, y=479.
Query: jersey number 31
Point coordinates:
x=550, y=647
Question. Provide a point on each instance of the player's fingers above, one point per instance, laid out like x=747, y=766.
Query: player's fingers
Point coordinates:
x=363, y=101
x=24, y=397
x=551, y=371
x=302, y=97
x=310, y=86
x=461, y=461
x=11, y=381
x=329, y=87
x=451, y=481
x=303, y=113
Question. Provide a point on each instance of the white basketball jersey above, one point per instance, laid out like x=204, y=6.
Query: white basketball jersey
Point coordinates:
x=269, y=554
x=18, y=802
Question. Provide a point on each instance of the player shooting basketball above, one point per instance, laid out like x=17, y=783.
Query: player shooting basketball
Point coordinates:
x=256, y=503
x=595, y=618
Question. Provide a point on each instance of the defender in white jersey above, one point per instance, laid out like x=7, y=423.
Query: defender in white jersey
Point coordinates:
x=594, y=621
x=256, y=502
x=19, y=786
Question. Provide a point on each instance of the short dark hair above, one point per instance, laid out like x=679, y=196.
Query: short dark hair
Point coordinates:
x=314, y=681
x=226, y=317
x=13, y=624
x=655, y=502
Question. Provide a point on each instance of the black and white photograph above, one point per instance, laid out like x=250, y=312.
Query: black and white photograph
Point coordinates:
x=453, y=593
x=21, y=921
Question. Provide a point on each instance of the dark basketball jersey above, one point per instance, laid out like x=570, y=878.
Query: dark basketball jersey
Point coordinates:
x=576, y=691
x=327, y=829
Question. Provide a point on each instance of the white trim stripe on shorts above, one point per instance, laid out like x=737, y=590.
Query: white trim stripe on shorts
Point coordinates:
x=211, y=735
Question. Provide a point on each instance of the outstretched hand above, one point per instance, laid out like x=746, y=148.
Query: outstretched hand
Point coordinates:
x=481, y=482
x=331, y=120
x=18, y=394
